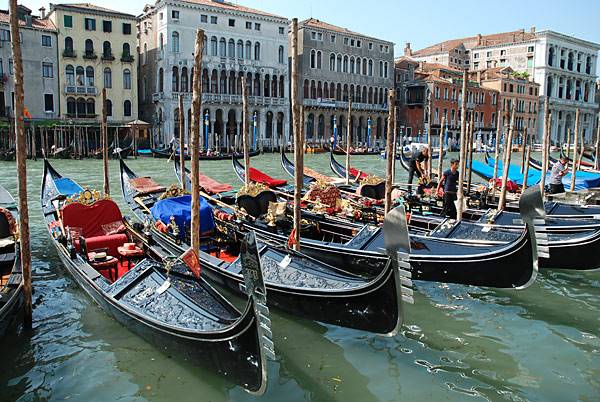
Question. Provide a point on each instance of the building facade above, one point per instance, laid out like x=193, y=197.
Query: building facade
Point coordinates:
x=96, y=50
x=239, y=42
x=40, y=66
x=563, y=66
x=335, y=65
x=436, y=92
x=512, y=88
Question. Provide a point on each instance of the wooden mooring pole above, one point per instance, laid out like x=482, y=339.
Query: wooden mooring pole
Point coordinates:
x=575, y=144
x=298, y=133
x=196, y=124
x=506, y=162
x=460, y=196
x=245, y=131
x=104, y=129
x=181, y=147
x=389, y=178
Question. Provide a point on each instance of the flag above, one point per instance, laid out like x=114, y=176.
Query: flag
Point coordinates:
x=190, y=258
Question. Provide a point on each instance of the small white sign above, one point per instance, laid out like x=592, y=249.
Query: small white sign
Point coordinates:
x=163, y=288
x=486, y=229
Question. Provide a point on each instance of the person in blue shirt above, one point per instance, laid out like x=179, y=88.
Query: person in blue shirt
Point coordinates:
x=450, y=182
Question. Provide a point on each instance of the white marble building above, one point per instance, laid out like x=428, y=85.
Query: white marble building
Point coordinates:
x=239, y=41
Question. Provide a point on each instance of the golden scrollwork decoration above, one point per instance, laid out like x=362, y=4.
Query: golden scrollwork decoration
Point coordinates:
x=86, y=197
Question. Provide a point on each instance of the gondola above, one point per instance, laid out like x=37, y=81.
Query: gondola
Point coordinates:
x=8, y=155
x=309, y=176
x=167, y=153
x=341, y=151
x=11, y=277
x=61, y=153
x=439, y=258
x=185, y=316
x=295, y=282
x=256, y=175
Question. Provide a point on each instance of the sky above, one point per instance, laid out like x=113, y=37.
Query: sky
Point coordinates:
x=422, y=23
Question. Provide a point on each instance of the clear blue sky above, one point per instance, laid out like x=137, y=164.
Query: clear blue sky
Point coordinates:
x=421, y=22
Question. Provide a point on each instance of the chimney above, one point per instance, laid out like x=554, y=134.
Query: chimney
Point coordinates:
x=532, y=30
x=42, y=11
x=407, y=49
x=478, y=39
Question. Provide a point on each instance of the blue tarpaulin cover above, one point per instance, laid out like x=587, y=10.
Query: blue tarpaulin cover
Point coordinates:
x=181, y=209
x=67, y=187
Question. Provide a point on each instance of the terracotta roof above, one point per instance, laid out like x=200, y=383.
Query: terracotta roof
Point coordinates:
x=315, y=23
x=428, y=67
x=36, y=23
x=233, y=7
x=92, y=7
x=405, y=59
x=476, y=41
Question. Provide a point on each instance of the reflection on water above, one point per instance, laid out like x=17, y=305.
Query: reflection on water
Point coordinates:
x=459, y=343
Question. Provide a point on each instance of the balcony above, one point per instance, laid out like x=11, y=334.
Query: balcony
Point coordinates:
x=226, y=99
x=80, y=90
x=90, y=55
x=69, y=53
x=327, y=103
x=127, y=58
x=107, y=57
x=157, y=96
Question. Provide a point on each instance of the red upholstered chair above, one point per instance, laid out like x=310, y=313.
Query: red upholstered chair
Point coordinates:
x=91, y=219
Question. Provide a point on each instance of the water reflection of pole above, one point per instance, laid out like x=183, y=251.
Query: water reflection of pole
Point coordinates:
x=369, y=132
x=334, y=133
x=254, y=131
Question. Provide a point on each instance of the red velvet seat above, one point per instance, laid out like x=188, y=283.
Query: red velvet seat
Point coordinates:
x=263, y=178
x=91, y=218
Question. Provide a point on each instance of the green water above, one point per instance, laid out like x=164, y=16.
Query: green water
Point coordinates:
x=459, y=343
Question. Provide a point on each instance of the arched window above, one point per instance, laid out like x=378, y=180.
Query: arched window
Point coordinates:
x=69, y=48
x=364, y=67
x=108, y=107
x=175, y=42
x=240, y=49
x=161, y=41
x=213, y=46
x=570, y=61
x=223, y=82
x=89, y=76
x=161, y=80
x=551, y=56
x=257, y=51
x=370, y=68
x=352, y=64
x=214, y=82
x=81, y=107
x=222, y=47
x=248, y=51
x=281, y=87
x=184, y=79
x=145, y=53
x=549, y=86
x=70, y=73
x=205, y=83
x=305, y=92
x=588, y=65
x=313, y=55
x=106, y=50
x=126, y=79
x=319, y=59
x=339, y=63
x=175, y=80
x=107, y=77
x=127, y=108
x=89, y=47
x=231, y=49
x=90, y=108
x=385, y=71
x=332, y=62
x=281, y=55
x=79, y=76
x=71, y=107
x=381, y=68
x=345, y=68
x=127, y=50
x=358, y=65
x=313, y=90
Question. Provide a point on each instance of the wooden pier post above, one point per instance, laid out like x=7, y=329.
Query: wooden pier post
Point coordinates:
x=395, y=146
x=527, y=153
x=181, y=148
x=506, y=162
x=298, y=133
x=460, y=196
x=245, y=130
x=389, y=178
x=597, y=153
x=105, y=145
x=545, y=144
x=575, y=144
x=196, y=124
x=523, y=156
x=496, y=152
x=470, y=156
x=441, y=150
x=21, y=157
x=33, y=142
x=348, y=139
x=428, y=164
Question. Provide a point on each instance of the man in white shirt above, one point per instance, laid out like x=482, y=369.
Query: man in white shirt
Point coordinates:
x=559, y=169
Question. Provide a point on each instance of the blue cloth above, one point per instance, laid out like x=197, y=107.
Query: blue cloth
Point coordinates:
x=144, y=152
x=181, y=209
x=67, y=187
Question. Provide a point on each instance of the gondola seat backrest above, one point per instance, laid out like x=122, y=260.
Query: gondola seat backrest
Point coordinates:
x=94, y=222
x=8, y=228
x=256, y=205
x=375, y=191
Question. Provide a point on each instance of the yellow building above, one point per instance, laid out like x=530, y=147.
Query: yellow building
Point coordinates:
x=97, y=49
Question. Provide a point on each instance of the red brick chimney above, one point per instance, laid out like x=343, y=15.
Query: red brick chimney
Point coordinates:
x=478, y=39
x=407, y=49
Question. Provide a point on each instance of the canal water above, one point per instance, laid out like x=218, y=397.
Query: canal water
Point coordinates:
x=459, y=343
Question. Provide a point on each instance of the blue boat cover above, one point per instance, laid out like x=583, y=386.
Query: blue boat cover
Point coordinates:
x=181, y=209
x=583, y=180
x=67, y=187
x=144, y=151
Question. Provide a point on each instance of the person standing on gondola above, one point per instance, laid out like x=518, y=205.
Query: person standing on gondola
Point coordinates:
x=559, y=169
x=417, y=165
x=450, y=182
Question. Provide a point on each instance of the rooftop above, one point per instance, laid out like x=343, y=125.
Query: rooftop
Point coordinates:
x=36, y=23
x=89, y=7
x=316, y=23
x=232, y=7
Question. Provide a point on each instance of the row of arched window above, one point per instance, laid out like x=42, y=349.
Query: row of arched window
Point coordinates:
x=81, y=107
x=570, y=60
x=223, y=82
x=360, y=94
x=348, y=64
x=89, y=48
x=569, y=88
x=85, y=77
